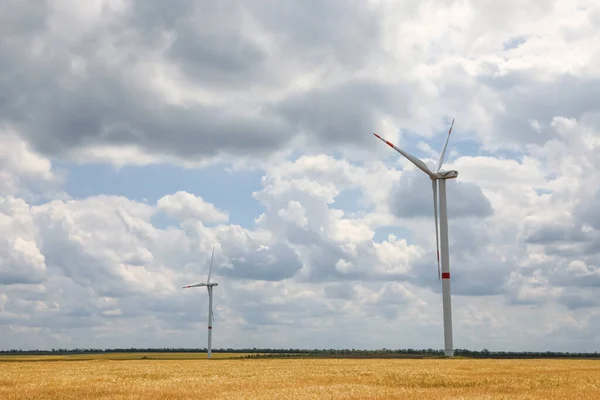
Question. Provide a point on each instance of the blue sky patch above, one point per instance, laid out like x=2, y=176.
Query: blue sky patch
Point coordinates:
x=514, y=42
x=382, y=232
x=228, y=191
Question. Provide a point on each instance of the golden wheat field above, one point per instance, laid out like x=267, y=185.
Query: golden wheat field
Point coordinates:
x=194, y=377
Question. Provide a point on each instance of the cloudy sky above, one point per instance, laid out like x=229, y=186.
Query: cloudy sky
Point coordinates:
x=137, y=134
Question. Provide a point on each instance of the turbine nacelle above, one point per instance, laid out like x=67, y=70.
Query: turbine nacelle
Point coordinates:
x=446, y=174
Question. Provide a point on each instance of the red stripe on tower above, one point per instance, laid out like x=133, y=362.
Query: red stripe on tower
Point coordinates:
x=445, y=275
x=210, y=327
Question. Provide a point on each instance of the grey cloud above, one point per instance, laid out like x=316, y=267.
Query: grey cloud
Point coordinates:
x=592, y=248
x=587, y=210
x=96, y=264
x=525, y=100
x=212, y=46
x=412, y=197
x=479, y=277
x=565, y=250
x=531, y=303
x=23, y=18
x=106, y=111
x=65, y=306
x=213, y=50
x=550, y=234
x=323, y=255
x=82, y=267
x=18, y=267
x=13, y=277
x=344, y=291
x=468, y=237
x=153, y=17
x=28, y=292
x=476, y=269
x=107, y=106
x=303, y=236
x=576, y=301
x=346, y=113
x=563, y=277
x=218, y=53
x=278, y=262
x=391, y=294
x=323, y=29
x=322, y=260
x=572, y=241
x=268, y=305
x=502, y=82
x=471, y=275
x=256, y=315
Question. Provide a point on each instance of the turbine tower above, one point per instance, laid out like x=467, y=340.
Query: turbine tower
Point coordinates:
x=442, y=243
x=210, y=287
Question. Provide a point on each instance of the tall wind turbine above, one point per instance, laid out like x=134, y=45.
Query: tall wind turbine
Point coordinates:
x=442, y=244
x=210, y=287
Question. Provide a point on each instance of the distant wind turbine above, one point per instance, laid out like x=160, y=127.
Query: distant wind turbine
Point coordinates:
x=442, y=244
x=210, y=287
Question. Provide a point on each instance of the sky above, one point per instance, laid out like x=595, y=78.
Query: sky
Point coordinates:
x=135, y=135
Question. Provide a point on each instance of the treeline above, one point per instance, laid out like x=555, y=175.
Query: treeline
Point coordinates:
x=265, y=352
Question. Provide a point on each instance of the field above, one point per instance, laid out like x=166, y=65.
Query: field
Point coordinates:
x=191, y=376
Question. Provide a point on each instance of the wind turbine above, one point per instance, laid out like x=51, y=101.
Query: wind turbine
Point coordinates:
x=442, y=244
x=210, y=287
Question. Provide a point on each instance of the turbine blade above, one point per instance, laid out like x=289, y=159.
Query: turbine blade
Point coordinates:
x=443, y=153
x=194, y=285
x=211, y=262
x=435, y=212
x=417, y=162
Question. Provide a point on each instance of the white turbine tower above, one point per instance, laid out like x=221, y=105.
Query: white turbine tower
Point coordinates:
x=210, y=287
x=442, y=244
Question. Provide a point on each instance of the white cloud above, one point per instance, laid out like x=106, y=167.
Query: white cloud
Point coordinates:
x=185, y=205
x=24, y=172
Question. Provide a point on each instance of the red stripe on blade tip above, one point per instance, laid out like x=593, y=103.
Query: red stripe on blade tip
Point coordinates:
x=445, y=275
